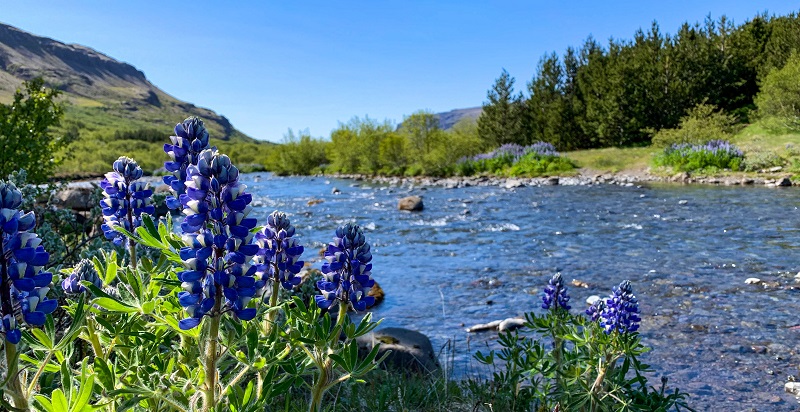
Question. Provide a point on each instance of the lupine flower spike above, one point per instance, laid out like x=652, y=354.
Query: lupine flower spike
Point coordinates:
x=279, y=253
x=125, y=199
x=347, y=271
x=555, y=294
x=191, y=138
x=218, y=276
x=621, y=312
x=23, y=283
x=84, y=270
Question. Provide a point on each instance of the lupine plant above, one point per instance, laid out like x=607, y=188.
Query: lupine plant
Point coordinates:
x=513, y=159
x=592, y=363
x=191, y=138
x=125, y=200
x=278, y=259
x=172, y=330
x=23, y=284
x=714, y=154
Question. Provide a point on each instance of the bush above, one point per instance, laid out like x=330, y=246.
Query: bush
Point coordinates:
x=702, y=123
x=780, y=93
x=716, y=154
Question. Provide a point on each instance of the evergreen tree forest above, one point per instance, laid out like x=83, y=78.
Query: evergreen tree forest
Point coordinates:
x=619, y=93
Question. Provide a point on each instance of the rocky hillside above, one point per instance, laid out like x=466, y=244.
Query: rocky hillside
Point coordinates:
x=448, y=119
x=101, y=94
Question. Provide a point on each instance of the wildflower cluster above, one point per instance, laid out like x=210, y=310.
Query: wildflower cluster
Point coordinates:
x=719, y=154
x=533, y=159
x=555, y=294
x=191, y=138
x=347, y=271
x=619, y=312
x=279, y=253
x=125, y=199
x=217, y=235
x=23, y=283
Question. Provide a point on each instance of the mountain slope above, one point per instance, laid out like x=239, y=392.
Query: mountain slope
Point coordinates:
x=101, y=94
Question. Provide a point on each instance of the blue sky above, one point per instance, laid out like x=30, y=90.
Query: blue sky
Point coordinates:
x=271, y=66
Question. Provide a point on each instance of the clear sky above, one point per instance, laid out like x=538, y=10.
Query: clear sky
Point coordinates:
x=271, y=66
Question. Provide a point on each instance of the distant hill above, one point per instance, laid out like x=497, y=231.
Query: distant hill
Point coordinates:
x=102, y=94
x=449, y=119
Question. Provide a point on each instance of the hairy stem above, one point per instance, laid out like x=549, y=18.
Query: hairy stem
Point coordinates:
x=273, y=301
x=320, y=387
x=12, y=370
x=93, y=339
x=209, y=391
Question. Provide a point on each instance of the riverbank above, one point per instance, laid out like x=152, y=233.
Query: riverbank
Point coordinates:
x=584, y=177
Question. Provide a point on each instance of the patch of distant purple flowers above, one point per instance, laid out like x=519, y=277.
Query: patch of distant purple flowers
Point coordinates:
x=514, y=152
x=714, y=147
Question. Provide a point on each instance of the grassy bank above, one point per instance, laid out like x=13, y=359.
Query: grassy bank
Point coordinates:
x=766, y=146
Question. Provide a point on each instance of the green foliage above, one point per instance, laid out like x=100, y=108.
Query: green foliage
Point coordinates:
x=366, y=146
x=564, y=362
x=535, y=165
x=26, y=132
x=780, y=93
x=94, y=153
x=701, y=124
x=298, y=155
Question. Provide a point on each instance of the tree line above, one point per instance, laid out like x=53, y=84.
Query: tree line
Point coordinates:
x=619, y=94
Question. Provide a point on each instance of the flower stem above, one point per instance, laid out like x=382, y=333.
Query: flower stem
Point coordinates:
x=131, y=243
x=342, y=314
x=96, y=347
x=273, y=301
x=319, y=388
x=209, y=391
x=12, y=370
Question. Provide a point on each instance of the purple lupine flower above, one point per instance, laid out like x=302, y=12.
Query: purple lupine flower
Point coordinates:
x=596, y=309
x=218, y=241
x=125, y=199
x=347, y=271
x=621, y=312
x=23, y=283
x=84, y=270
x=191, y=138
x=279, y=253
x=555, y=294
x=512, y=152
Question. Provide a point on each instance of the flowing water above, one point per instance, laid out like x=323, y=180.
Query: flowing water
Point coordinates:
x=478, y=254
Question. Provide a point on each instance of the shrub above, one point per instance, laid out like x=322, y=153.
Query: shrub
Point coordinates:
x=719, y=154
x=702, y=123
x=779, y=96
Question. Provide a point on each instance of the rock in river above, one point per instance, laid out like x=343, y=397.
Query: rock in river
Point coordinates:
x=411, y=203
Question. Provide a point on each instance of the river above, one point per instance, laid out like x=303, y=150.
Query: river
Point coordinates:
x=478, y=254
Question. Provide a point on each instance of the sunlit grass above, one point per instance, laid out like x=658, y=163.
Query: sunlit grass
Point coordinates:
x=613, y=159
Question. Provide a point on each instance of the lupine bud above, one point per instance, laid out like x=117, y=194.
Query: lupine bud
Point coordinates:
x=555, y=294
x=84, y=270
